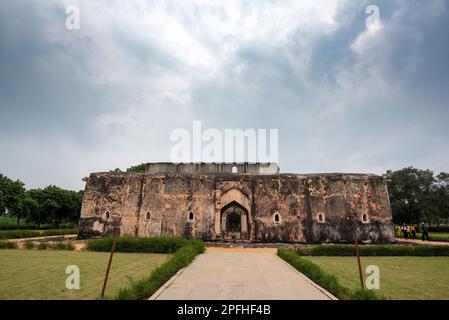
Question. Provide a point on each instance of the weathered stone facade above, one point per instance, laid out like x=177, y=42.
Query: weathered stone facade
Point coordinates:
x=252, y=202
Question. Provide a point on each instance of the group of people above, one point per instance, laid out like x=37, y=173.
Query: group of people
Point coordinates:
x=408, y=231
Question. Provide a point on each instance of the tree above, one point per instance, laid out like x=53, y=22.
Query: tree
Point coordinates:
x=417, y=195
x=411, y=194
x=138, y=168
x=11, y=193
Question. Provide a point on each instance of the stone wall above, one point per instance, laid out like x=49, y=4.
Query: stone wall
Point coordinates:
x=273, y=208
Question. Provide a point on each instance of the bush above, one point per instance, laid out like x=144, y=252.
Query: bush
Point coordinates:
x=8, y=245
x=364, y=294
x=62, y=246
x=42, y=246
x=16, y=234
x=28, y=245
x=144, y=245
x=145, y=288
x=375, y=250
x=323, y=279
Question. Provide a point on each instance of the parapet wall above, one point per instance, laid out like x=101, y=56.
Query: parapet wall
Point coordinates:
x=212, y=168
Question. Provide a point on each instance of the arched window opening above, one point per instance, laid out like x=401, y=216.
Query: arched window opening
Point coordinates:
x=277, y=218
x=191, y=216
x=148, y=216
x=320, y=218
x=365, y=218
x=234, y=169
x=107, y=215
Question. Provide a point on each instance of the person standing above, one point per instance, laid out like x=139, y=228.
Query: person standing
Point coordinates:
x=425, y=231
x=413, y=231
x=404, y=231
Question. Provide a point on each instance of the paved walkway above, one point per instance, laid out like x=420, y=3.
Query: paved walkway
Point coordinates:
x=240, y=274
x=417, y=241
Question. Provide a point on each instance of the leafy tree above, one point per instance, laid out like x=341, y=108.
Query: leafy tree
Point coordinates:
x=417, y=195
x=11, y=193
x=138, y=168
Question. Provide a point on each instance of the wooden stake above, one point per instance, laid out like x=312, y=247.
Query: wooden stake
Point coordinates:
x=356, y=240
x=109, y=265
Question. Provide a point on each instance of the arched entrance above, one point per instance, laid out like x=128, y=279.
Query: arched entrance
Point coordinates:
x=234, y=222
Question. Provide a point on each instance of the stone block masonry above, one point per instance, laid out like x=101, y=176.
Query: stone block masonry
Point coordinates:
x=237, y=202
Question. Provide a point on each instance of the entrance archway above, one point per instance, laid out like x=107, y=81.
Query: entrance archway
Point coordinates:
x=234, y=222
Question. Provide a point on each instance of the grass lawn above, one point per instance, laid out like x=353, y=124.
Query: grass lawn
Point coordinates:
x=35, y=274
x=435, y=236
x=400, y=277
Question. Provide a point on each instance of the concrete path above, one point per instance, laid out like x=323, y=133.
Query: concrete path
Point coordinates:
x=417, y=241
x=240, y=275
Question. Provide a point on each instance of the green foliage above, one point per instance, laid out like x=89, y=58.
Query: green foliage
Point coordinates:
x=17, y=234
x=374, y=250
x=417, y=195
x=49, y=205
x=364, y=294
x=323, y=279
x=140, y=168
x=11, y=193
x=146, y=287
x=42, y=246
x=61, y=246
x=144, y=245
x=28, y=245
x=8, y=245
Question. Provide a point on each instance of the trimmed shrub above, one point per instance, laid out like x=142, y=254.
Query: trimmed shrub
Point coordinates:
x=145, y=288
x=62, y=246
x=324, y=279
x=28, y=245
x=144, y=245
x=374, y=250
x=42, y=246
x=8, y=245
x=364, y=294
x=16, y=234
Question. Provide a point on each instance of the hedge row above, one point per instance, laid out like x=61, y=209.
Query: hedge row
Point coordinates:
x=145, y=245
x=374, y=250
x=48, y=245
x=323, y=279
x=8, y=245
x=16, y=234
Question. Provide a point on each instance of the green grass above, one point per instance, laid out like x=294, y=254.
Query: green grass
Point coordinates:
x=400, y=277
x=40, y=274
x=436, y=236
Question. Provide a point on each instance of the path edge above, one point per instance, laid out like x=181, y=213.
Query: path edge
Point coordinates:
x=324, y=291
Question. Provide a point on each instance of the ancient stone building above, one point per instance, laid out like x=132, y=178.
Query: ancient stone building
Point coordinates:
x=252, y=202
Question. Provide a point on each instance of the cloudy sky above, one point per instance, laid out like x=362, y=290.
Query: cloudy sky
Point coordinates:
x=343, y=96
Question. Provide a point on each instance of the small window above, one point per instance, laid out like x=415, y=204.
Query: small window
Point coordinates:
x=276, y=218
x=365, y=218
x=321, y=218
x=191, y=216
x=234, y=169
x=107, y=215
x=148, y=216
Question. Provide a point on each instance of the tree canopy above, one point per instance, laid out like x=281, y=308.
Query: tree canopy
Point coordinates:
x=418, y=195
x=51, y=205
